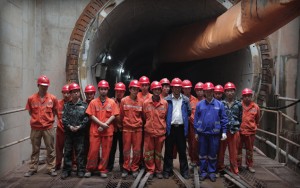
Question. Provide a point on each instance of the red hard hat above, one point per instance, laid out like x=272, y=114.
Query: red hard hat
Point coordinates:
x=134, y=83
x=43, y=80
x=155, y=85
x=186, y=84
x=176, y=82
x=74, y=86
x=65, y=88
x=103, y=84
x=229, y=85
x=199, y=85
x=247, y=91
x=144, y=80
x=219, y=88
x=164, y=81
x=208, y=86
x=120, y=86
x=90, y=89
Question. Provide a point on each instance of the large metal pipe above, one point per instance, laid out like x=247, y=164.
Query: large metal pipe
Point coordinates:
x=245, y=23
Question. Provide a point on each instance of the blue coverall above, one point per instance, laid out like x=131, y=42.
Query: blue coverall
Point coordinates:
x=210, y=122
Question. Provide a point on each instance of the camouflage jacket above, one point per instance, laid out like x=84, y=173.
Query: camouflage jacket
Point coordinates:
x=234, y=114
x=74, y=115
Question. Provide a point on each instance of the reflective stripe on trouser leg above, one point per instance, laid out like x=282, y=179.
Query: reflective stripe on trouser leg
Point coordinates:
x=136, y=147
x=105, y=142
x=93, y=156
x=221, y=154
x=213, y=147
x=249, y=144
x=240, y=151
x=149, y=153
x=203, y=154
x=126, y=149
x=159, y=142
x=232, y=140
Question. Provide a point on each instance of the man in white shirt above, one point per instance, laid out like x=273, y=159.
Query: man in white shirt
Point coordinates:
x=179, y=110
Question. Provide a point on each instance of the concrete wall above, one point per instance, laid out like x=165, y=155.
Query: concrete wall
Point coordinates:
x=285, y=49
x=34, y=35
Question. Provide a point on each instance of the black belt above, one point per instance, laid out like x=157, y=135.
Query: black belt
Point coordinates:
x=176, y=125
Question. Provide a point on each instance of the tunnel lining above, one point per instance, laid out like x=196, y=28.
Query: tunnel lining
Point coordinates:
x=78, y=64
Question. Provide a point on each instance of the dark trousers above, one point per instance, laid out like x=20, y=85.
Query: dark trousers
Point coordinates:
x=87, y=141
x=116, y=138
x=76, y=142
x=178, y=138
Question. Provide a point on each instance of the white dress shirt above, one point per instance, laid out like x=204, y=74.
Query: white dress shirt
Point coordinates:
x=176, y=113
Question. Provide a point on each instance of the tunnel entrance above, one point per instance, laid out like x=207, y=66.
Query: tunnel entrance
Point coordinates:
x=122, y=42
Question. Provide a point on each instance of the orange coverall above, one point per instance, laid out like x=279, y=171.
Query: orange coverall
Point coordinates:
x=60, y=139
x=250, y=120
x=131, y=117
x=104, y=138
x=155, y=130
x=193, y=143
x=143, y=98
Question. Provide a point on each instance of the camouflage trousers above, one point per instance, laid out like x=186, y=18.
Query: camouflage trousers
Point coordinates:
x=76, y=142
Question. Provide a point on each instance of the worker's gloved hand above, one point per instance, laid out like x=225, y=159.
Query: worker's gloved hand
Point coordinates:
x=224, y=136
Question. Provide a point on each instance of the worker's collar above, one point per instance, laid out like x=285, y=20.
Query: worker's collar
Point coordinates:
x=211, y=102
x=180, y=96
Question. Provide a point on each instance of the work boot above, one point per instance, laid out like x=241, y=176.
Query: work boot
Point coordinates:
x=57, y=167
x=222, y=173
x=202, y=176
x=186, y=176
x=240, y=168
x=166, y=175
x=29, y=173
x=150, y=177
x=74, y=168
x=64, y=175
x=103, y=175
x=87, y=174
x=252, y=170
x=192, y=164
x=135, y=174
x=124, y=174
x=159, y=175
x=80, y=174
x=212, y=177
x=52, y=173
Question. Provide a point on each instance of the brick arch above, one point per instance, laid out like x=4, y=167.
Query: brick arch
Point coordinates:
x=76, y=38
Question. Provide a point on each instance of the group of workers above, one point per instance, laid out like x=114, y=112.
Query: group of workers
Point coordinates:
x=142, y=123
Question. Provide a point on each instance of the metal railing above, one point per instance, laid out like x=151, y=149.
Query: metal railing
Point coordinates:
x=12, y=111
x=279, y=117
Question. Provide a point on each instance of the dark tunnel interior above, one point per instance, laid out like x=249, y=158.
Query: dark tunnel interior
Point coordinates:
x=131, y=34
